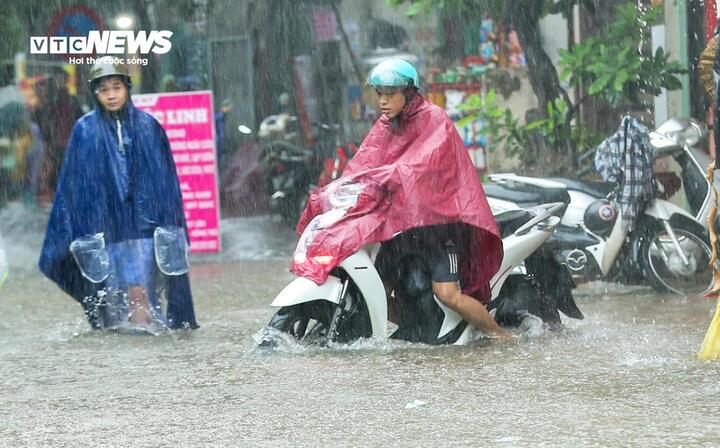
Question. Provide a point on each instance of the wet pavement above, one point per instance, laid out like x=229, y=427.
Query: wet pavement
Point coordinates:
x=625, y=376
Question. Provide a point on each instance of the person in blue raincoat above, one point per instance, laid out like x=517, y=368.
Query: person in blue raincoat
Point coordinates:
x=116, y=240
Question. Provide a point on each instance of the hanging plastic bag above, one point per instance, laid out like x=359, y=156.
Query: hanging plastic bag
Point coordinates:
x=171, y=250
x=91, y=257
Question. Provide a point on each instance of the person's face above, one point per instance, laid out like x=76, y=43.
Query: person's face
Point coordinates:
x=391, y=101
x=112, y=93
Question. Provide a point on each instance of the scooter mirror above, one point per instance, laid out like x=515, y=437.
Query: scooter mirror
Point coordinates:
x=689, y=136
x=677, y=132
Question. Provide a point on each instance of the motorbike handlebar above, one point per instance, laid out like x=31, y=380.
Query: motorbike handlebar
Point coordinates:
x=542, y=212
x=584, y=172
x=586, y=154
x=326, y=127
x=554, y=208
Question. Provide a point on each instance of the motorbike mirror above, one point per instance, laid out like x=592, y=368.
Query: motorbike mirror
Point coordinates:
x=688, y=136
x=678, y=132
x=244, y=130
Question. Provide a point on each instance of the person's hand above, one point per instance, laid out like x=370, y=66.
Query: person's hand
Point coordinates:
x=504, y=336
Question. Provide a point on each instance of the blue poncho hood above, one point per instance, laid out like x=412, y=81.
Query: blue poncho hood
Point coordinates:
x=124, y=191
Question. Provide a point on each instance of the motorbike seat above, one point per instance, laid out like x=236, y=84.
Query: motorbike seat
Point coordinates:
x=511, y=220
x=525, y=195
x=595, y=189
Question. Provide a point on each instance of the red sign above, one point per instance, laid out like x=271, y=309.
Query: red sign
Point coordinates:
x=325, y=25
x=74, y=21
x=187, y=118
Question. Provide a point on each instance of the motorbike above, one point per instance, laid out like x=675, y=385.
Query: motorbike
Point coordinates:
x=679, y=139
x=273, y=164
x=352, y=303
x=291, y=169
x=333, y=167
x=668, y=248
x=242, y=180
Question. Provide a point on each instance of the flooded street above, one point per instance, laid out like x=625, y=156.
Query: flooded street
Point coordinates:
x=521, y=141
x=625, y=376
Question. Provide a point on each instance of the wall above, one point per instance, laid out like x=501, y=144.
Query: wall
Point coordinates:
x=678, y=102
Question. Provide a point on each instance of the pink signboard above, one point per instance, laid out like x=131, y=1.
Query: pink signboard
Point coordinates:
x=187, y=118
x=324, y=24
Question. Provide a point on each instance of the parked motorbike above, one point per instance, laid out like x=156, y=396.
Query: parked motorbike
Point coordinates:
x=352, y=302
x=679, y=139
x=668, y=247
x=291, y=169
x=333, y=166
x=243, y=189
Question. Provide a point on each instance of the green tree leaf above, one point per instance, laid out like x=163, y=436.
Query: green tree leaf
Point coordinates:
x=466, y=120
x=620, y=79
x=598, y=85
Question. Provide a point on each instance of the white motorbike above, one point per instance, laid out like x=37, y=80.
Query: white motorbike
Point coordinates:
x=668, y=248
x=352, y=303
x=678, y=138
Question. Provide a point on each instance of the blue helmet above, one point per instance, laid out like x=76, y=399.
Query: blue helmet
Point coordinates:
x=394, y=73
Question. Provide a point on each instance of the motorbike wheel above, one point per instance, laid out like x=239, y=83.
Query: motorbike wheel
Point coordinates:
x=306, y=322
x=309, y=322
x=521, y=295
x=663, y=267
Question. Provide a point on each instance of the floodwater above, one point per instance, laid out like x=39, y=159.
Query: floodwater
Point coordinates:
x=625, y=376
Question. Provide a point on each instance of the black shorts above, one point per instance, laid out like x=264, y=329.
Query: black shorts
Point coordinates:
x=444, y=263
x=434, y=244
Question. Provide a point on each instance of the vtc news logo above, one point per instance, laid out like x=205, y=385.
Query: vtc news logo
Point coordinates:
x=104, y=42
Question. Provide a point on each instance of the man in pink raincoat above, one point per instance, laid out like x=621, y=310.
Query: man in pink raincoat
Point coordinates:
x=416, y=174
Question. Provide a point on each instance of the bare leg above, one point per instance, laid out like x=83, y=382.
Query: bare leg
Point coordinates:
x=139, y=305
x=470, y=309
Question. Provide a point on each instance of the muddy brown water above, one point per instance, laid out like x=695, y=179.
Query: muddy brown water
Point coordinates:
x=625, y=376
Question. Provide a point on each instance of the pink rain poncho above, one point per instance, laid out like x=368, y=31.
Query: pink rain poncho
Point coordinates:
x=410, y=173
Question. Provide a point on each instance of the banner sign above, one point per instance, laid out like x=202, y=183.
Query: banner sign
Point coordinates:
x=187, y=118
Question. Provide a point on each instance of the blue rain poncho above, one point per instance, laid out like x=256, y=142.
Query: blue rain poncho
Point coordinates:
x=124, y=189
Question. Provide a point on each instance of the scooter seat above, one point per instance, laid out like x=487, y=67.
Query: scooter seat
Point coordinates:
x=596, y=189
x=511, y=220
x=525, y=195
